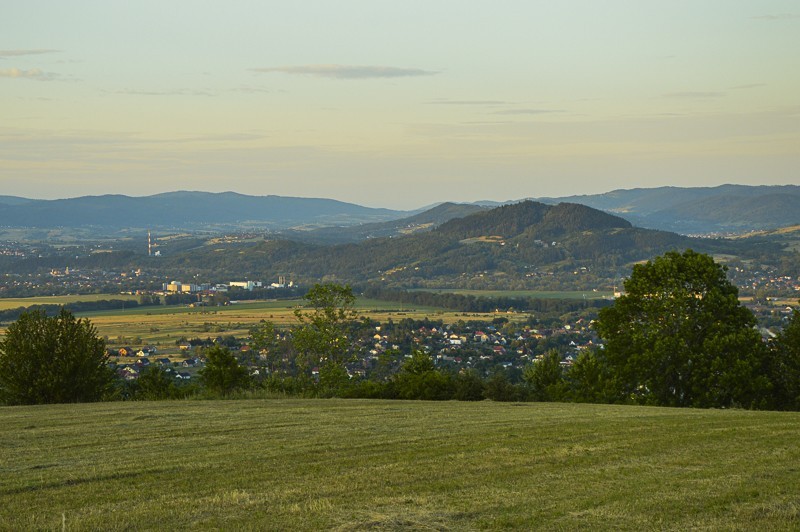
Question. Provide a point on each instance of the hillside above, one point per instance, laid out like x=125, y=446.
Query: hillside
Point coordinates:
x=186, y=210
x=395, y=465
x=701, y=209
x=513, y=240
x=517, y=246
x=423, y=221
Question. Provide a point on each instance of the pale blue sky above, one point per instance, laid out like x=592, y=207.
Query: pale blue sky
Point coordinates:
x=396, y=104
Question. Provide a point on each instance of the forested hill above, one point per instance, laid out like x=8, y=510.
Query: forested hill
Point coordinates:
x=513, y=246
x=534, y=219
x=424, y=221
x=186, y=210
x=512, y=241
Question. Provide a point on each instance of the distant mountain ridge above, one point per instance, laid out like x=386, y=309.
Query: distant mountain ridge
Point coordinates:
x=724, y=208
x=700, y=210
x=423, y=221
x=185, y=210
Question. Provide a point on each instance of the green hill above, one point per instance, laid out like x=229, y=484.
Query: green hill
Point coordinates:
x=512, y=240
x=359, y=464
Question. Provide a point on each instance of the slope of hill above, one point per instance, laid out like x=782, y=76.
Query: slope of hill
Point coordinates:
x=187, y=210
x=513, y=240
x=701, y=209
x=14, y=200
x=423, y=221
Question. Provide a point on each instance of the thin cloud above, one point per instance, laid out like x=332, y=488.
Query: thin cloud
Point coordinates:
x=749, y=86
x=528, y=111
x=179, y=92
x=468, y=102
x=693, y=95
x=778, y=16
x=17, y=53
x=253, y=90
x=348, y=71
x=33, y=73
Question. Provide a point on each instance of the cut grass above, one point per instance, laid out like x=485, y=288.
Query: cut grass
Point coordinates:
x=353, y=465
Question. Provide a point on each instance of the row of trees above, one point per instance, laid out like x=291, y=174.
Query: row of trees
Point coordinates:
x=678, y=337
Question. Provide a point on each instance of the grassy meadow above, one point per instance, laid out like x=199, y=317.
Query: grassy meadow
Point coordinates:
x=352, y=465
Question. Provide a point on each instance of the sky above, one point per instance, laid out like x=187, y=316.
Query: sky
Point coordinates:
x=396, y=104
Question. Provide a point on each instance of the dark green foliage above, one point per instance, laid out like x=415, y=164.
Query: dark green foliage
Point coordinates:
x=155, y=383
x=419, y=379
x=589, y=380
x=56, y=359
x=679, y=337
x=222, y=373
x=785, y=366
x=468, y=386
x=333, y=380
x=545, y=378
x=499, y=388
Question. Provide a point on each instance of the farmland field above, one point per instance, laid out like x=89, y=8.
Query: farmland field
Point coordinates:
x=351, y=465
x=164, y=325
x=16, y=302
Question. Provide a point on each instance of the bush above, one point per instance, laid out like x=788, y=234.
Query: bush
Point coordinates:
x=57, y=359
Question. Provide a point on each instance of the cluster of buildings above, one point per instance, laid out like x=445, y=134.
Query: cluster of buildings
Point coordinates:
x=178, y=287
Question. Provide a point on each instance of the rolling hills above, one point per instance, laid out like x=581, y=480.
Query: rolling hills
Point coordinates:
x=185, y=210
x=516, y=240
x=726, y=208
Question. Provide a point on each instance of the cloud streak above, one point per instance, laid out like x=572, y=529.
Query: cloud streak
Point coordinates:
x=33, y=73
x=467, y=102
x=17, y=53
x=179, y=92
x=778, y=16
x=348, y=71
x=528, y=111
x=693, y=95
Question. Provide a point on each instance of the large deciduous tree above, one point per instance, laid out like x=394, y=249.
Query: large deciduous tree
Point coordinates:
x=679, y=337
x=322, y=333
x=57, y=359
x=785, y=366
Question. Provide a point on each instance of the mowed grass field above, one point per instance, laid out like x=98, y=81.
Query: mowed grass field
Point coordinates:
x=353, y=465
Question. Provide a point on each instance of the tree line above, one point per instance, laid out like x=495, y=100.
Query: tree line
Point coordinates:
x=482, y=304
x=678, y=337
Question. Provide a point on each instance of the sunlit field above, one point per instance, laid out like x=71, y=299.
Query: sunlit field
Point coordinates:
x=357, y=464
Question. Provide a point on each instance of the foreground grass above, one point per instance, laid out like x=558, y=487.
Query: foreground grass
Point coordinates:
x=348, y=464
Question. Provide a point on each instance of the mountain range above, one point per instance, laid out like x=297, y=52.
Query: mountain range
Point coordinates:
x=701, y=210
x=507, y=244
